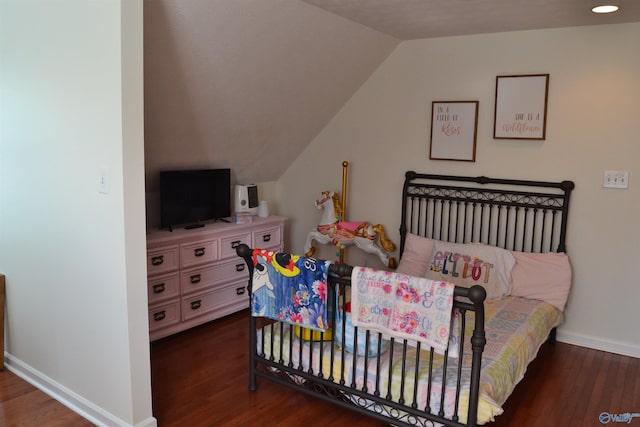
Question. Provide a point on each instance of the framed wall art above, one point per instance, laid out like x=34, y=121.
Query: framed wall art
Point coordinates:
x=521, y=107
x=454, y=127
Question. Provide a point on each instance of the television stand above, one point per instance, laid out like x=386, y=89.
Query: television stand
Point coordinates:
x=192, y=226
x=195, y=276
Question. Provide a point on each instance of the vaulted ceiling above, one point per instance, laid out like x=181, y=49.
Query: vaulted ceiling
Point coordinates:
x=248, y=84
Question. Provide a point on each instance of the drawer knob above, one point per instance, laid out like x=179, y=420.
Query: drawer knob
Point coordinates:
x=239, y=267
x=266, y=238
x=196, y=304
x=159, y=288
x=157, y=260
x=196, y=278
x=235, y=244
x=199, y=252
x=240, y=291
x=159, y=315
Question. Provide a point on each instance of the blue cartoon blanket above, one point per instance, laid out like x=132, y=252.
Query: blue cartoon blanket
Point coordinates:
x=290, y=288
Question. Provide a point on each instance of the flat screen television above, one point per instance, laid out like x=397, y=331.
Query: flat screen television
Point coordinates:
x=191, y=197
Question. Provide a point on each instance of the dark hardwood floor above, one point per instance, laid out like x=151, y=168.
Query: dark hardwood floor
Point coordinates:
x=199, y=378
x=23, y=405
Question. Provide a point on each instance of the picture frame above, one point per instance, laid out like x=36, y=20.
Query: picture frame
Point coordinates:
x=521, y=107
x=454, y=130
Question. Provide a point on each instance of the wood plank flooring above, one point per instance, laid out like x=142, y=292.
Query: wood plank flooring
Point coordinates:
x=199, y=378
x=23, y=405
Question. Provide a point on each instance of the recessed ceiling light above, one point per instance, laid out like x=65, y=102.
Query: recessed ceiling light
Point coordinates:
x=604, y=9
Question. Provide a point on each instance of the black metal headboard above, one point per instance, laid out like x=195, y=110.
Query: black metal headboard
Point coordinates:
x=527, y=216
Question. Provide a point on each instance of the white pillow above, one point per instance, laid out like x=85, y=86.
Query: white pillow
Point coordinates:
x=472, y=264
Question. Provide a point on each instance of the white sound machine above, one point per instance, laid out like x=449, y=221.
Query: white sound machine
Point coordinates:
x=247, y=199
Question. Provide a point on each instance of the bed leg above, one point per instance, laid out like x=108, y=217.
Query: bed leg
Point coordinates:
x=252, y=382
x=252, y=354
x=253, y=386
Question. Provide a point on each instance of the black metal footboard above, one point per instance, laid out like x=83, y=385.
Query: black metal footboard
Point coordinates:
x=396, y=381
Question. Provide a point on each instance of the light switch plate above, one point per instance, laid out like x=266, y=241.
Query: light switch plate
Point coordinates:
x=103, y=180
x=616, y=179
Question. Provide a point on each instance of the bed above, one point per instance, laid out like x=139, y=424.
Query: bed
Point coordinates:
x=497, y=246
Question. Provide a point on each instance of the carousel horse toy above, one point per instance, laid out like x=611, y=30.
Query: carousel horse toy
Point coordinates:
x=331, y=229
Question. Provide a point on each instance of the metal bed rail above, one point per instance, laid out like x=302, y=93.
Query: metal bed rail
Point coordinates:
x=323, y=368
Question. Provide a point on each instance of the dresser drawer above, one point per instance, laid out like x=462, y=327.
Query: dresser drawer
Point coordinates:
x=197, y=279
x=235, y=269
x=230, y=294
x=162, y=260
x=161, y=316
x=200, y=252
x=163, y=287
x=229, y=244
x=267, y=238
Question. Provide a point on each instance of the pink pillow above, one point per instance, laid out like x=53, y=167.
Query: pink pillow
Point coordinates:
x=416, y=255
x=545, y=277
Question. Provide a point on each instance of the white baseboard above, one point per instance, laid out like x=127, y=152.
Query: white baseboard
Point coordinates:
x=596, y=343
x=68, y=398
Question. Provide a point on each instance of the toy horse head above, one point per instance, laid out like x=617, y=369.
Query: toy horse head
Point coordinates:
x=332, y=198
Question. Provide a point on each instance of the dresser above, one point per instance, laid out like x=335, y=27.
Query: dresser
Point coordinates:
x=194, y=276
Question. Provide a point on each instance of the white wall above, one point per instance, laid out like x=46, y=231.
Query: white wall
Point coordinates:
x=246, y=84
x=71, y=103
x=592, y=126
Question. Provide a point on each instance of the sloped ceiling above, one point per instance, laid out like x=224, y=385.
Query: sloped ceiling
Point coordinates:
x=246, y=84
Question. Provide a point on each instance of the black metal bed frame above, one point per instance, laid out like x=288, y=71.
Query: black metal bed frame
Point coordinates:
x=527, y=216
x=513, y=214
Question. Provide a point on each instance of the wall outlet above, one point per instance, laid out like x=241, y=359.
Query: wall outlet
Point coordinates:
x=616, y=179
